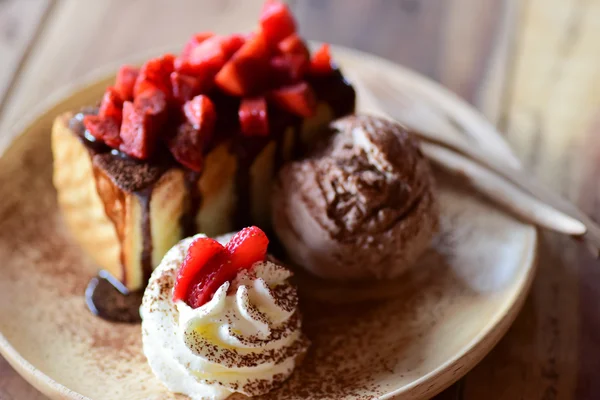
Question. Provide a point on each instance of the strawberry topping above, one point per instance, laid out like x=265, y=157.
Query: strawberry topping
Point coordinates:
x=293, y=44
x=155, y=73
x=125, y=81
x=191, y=138
x=194, y=41
x=208, y=265
x=246, y=72
x=253, y=117
x=200, y=112
x=111, y=105
x=298, y=99
x=187, y=146
x=320, y=64
x=199, y=254
x=232, y=43
x=165, y=102
x=247, y=247
x=138, y=134
x=288, y=68
x=185, y=87
x=276, y=21
x=204, y=60
x=103, y=129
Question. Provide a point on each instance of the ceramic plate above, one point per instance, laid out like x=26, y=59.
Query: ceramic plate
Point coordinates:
x=408, y=338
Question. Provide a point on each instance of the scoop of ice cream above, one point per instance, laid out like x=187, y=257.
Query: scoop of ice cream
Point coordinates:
x=362, y=206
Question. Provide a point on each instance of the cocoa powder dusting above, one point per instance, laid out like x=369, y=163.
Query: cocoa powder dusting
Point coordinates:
x=355, y=346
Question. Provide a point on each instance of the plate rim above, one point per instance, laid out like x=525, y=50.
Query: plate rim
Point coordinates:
x=478, y=347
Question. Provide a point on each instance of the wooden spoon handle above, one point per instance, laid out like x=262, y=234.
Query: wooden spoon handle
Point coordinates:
x=591, y=234
x=503, y=192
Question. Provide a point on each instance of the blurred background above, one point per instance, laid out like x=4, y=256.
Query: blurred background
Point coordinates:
x=531, y=66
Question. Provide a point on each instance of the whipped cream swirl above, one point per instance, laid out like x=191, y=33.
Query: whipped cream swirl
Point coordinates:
x=246, y=339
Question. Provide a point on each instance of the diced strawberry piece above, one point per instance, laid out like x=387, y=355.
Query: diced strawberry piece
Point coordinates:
x=125, y=82
x=143, y=85
x=155, y=72
x=208, y=265
x=276, y=21
x=247, y=247
x=204, y=285
x=200, y=252
x=201, y=113
x=204, y=59
x=153, y=103
x=111, y=105
x=246, y=71
x=185, y=87
x=299, y=99
x=232, y=43
x=288, y=68
x=194, y=41
x=192, y=136
x=253, y=116
x=188, y=144
x=243, y=250
x=293, y=44
x=138, y=133
x=103, y=129
x=320, y=64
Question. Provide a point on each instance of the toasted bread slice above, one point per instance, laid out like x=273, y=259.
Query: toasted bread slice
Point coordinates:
x=127, y=232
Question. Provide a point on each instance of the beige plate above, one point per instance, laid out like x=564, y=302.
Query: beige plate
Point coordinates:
x=419, y=336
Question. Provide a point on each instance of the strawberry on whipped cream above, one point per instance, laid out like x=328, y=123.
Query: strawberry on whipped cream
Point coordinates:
x=219, y=319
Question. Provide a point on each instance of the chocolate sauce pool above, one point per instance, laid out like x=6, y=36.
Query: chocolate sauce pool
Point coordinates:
x=106, y=296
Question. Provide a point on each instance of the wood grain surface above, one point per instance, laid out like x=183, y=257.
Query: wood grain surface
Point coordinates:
x=532, y=66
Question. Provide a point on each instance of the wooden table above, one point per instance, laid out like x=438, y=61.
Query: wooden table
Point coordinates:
x=532, y=66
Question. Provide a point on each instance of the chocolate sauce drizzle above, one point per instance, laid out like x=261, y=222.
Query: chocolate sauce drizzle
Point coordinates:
x=146, y=257
x=139, y=177
x=188, y=219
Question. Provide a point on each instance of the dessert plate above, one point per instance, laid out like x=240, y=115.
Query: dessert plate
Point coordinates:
x=408, y=338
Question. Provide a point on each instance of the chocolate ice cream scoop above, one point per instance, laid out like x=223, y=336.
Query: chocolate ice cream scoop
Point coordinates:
x=360, y=207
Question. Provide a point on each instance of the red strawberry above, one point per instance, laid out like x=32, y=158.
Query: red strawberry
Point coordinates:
x=143, y=85
x=299, y=99
x=247, y=247
x=153, y=103
x=293, y=44
x=204, y=60
x=232, y=43
x=288, y=68
x=194, y=41
x=103, y=129
x=155, y=73
x=276, y=21
x=243, y=250
x=246, y=71
x=253, y=116
x=200, y=252
x=138, y=134
x=125, y=82
x=320, y=64
x=203, y=287
x=185, y=87
x=111, y=105
x=188, y=144
x=201, y=113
